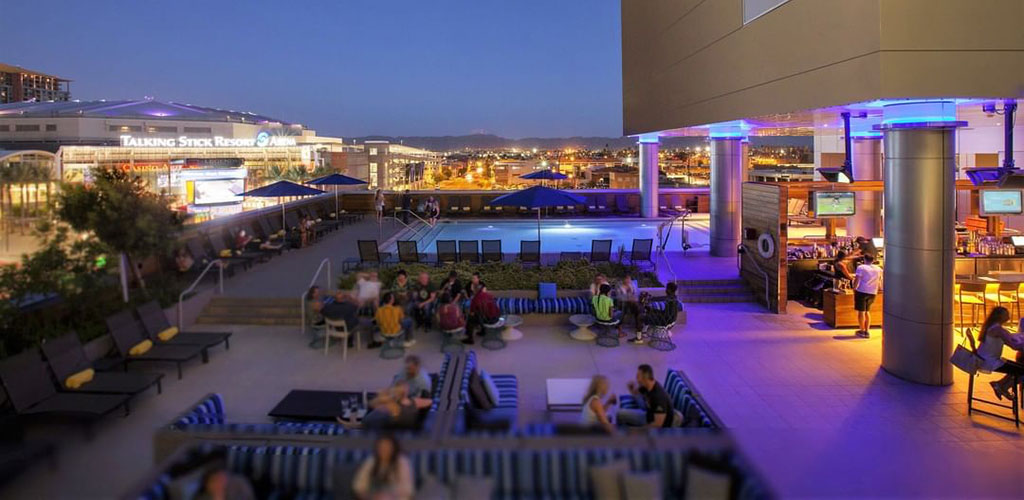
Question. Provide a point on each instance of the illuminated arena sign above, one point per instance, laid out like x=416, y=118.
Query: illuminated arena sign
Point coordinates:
x=262, y=140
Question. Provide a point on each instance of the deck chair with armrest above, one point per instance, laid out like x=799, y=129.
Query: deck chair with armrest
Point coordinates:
x=408, y=253
x=622, y=204
x=67, y=357
x=467, y=204
x=677, y=203
x=469, y=251
x=369, y=253
x=447, y=251
x=491, y=251
x=202, y=257
x=155, y=322
x=265, y=241
x=641, y=251
x=128, y=332
x=220, y=249
x=31, y=392
x=255, y=247
x=319, y=228
x=324, y=214
x=453, y=205
x=600, y=251
x=529, y=252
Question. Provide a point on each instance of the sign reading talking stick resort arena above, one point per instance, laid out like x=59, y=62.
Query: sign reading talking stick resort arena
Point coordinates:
x=262, y=140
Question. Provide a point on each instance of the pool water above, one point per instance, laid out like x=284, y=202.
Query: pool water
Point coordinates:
x=562, y=235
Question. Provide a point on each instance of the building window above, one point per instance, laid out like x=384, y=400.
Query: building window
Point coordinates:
x=51, y=127
x=373, y=151
x=161, y=130
x=5, y=128
x=197, y=130
x=26, y=128
x=125, y=128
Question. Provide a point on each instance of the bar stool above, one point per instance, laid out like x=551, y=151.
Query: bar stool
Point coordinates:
x=1014, y=394
x=997, y=294
x=962, y=298
x=392, y=348
x=660, y=337
x=492, y=335
x=607, y=334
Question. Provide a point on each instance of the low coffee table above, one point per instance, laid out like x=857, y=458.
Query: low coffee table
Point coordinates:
x=566, y=394
x=582, y=331
x=317, y=405
x=511, y=331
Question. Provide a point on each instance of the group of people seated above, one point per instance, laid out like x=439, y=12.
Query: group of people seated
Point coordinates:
x=406, y=305
x=614, y=304
x=655, y=406
x=400, y=405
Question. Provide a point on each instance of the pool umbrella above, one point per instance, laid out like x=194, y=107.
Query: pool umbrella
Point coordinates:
x=281, y=189
x=336, y=180
x=545, y=175
x=538, y=197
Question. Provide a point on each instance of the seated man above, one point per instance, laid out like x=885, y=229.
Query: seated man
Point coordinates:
x=659, y=317
x=392, y=408
x=343, y=308
x=604, y=308
x=391, y=322
x=655, y=406
x=415, y=377
x=425, y=296
x=401, y=289
x=483, y=310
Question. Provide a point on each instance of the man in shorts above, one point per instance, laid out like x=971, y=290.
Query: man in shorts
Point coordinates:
x=866, y=283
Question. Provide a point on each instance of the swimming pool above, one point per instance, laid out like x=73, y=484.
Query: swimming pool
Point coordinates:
x=561, y=235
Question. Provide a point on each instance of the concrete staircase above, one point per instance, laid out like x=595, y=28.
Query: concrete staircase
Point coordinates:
x=251, y=311
x=714, y=291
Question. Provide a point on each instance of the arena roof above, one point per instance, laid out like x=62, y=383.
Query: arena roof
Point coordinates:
x=143, y=109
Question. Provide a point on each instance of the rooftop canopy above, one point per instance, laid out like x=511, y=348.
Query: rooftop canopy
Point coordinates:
x=147, y=109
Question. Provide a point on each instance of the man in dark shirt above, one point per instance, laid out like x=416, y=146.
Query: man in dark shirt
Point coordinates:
x=406, y=205
x=424, y=296
x=655, y=316
x=656, y=409
x=345, y=308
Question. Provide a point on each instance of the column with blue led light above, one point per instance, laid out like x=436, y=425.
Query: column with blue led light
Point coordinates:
x=648, y=146
x=867, y=166
x=920, y=244
x=727, y=176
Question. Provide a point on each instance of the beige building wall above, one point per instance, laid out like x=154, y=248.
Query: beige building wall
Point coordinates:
x=693, y=62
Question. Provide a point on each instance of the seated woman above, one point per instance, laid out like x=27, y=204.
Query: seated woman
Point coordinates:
x=596, y=404
x=393, y=408
x=993, y=336
x=385, y=474
x=450, y=315
x=604, y=308
x=626, y=298
x=659, y=317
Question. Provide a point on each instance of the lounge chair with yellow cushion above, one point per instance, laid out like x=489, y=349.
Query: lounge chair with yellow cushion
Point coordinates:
x=160, y=330
x=70, y=364
x=32, y=393
x=134, y=346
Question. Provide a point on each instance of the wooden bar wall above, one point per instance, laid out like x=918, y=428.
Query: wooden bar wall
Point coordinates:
x=764, y=212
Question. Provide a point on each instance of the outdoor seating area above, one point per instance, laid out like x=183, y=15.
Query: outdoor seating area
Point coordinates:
x=594, y=203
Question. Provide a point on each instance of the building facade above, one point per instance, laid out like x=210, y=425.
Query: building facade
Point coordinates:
x=18, y=84
x=395, y=167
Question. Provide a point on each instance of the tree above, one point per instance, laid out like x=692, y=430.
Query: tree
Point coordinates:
x=119, y=210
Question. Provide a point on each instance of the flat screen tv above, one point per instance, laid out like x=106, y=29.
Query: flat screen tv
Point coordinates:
x=219, y=191
x=1001, y=202
x=834, y=204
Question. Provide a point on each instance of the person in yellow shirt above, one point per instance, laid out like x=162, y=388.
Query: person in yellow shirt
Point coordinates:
x=391, y=321
x=604, y=308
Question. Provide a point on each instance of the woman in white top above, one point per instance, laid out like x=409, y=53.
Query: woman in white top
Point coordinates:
x=991, y=340
x=378, y=204
x=595, y=411
x=385, y=474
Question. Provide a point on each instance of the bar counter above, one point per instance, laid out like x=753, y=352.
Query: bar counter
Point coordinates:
x=837, y=308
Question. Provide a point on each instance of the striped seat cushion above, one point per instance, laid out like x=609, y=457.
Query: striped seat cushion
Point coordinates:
x=208, y=411
x=564, y=305
x=516, y=305
x=508, y=390
x=660, y=304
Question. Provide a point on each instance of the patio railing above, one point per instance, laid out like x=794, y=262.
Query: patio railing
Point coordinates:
x=220, y=286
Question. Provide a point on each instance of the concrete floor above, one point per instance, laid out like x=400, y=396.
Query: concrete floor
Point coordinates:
x=809, y=406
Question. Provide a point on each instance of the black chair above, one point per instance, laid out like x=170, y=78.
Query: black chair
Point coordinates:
x=203, y=257
x=408, y=253
x=469, y=251
x=641, y=251
x=31, y=392
x=622, y=204
x=67, y=357
x=529, y=252
x=127, y=332
x=447, y=252
x=221, y=250
x=369, y=253
x=155, y=322
x=264, y=241
x=600, y=204
x=600, y=251
x=453, y=205
x=492, y=251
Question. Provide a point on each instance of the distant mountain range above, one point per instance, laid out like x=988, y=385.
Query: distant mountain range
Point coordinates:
x=490, y=141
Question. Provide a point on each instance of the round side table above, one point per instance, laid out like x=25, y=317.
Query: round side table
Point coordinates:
x=511, y=331
x=582, y=331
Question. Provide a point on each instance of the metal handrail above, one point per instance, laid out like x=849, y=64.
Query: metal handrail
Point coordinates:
x=312, y=282
x=220, y=286
x=414, y=214
x=746, y=251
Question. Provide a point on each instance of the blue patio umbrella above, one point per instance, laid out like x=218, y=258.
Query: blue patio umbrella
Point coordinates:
x=538, y=197
x=281, y=189
x=544, y=175
x=336, y=180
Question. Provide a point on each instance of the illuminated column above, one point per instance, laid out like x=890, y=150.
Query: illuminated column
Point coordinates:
x=648, y=176
x=867, y=166
x=727, y=176
x=920, y=169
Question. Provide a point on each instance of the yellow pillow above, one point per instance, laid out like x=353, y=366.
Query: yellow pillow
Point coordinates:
x=225, y=253
x=140, y=348
x=280, y=233
x=167, y=334
x=79, y=379
x=257, y=240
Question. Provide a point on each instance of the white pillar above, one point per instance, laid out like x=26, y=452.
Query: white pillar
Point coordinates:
x=727, y=176
x=649, y=177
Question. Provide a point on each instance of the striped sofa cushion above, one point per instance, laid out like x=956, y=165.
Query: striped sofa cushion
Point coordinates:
x=694, y=415
x=208, y=411
x=660, y=304
x=508, y=390
x=564, y=305
x=516, y=305
x=436, y=396
x=208, y=416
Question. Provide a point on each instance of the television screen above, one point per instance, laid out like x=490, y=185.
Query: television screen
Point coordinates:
x=878, y=242
x=219, y=191
x=1001, y=202
x=834, y=204
x=1018, y=241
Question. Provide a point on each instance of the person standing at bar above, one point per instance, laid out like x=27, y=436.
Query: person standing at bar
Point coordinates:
x=866, y=283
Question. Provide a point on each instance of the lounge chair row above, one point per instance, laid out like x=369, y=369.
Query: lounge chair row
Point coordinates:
x=449, y=251
x=596, y=204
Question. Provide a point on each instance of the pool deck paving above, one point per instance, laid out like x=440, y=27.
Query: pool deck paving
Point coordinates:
x=809, y=406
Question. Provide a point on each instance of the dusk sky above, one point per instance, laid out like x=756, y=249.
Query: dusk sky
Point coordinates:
x=395, y=67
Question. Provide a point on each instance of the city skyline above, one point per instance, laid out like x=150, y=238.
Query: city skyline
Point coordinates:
x=354, y=69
